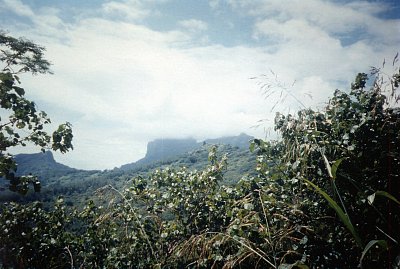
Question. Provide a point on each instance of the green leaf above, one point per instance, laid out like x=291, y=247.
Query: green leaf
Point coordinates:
x=20, y=91
x=252, y=145
x=20, y=124
x=335, y=166
x=17, y=79
x=371, y=197
x=343, y=217
x=370, y=244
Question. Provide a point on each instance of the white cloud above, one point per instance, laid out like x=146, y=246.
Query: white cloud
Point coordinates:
x=194, y=25
x=214, y=3
x=334, y=18
x=44, y=23
x=18, y=8
x=125, y=10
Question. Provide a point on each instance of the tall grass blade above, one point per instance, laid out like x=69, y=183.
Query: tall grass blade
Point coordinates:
x=370, y=244
x=327, y=165
x=335, y=166
x=387, y=195
x=343, y=217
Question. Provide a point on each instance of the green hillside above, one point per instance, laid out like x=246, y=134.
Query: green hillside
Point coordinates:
x=77, y=186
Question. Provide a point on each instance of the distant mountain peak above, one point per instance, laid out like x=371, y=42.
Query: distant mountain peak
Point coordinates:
x=242, y=140
x=39, y=164
x=40, y=157
x=164, y=149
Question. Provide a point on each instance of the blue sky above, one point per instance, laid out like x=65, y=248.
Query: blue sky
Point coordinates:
x=129, y=71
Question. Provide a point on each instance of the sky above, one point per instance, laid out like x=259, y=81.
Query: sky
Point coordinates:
x=130, y=71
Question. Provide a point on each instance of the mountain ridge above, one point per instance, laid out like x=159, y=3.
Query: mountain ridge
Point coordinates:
x=58, y=179
x=158, y=150
x=166, y=149
x=30, y=163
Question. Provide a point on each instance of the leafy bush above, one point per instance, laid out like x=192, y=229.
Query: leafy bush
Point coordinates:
x=347, y=154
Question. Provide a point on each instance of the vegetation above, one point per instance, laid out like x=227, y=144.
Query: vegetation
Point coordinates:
x=20, y=122
x=325, y=195
x=77, y=186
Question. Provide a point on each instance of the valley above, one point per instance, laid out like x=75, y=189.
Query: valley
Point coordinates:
x=78, y=186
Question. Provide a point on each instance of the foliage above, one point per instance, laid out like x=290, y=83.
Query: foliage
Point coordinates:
x=149, y=224
x=77, y=186
x=346, y=153
x=21, y=123
x=174, y=218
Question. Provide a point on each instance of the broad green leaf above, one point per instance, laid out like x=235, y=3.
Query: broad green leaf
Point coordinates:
x=370, y=244
x=343, y=217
